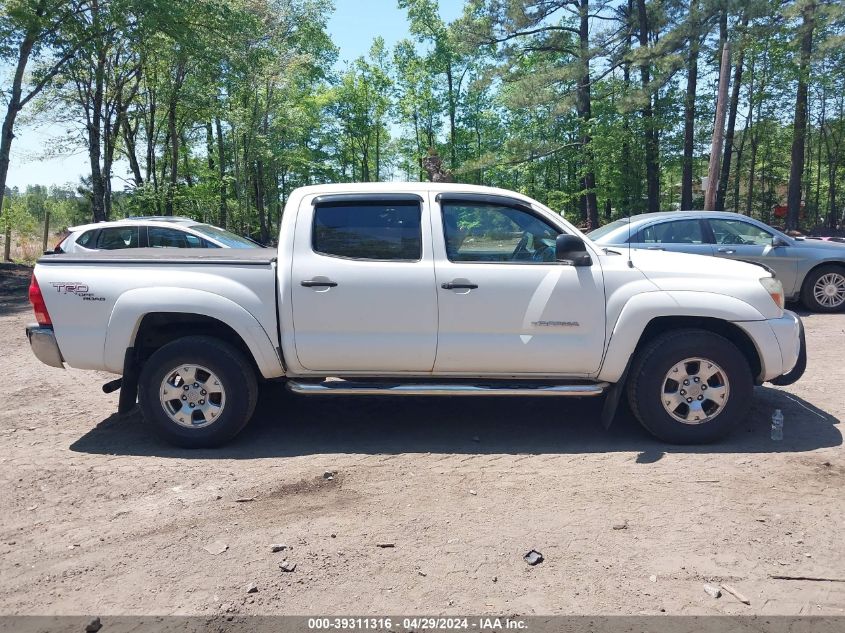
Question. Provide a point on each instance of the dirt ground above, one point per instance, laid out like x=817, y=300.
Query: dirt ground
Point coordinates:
x=98, y=517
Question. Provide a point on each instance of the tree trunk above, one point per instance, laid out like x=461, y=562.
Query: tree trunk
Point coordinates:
x=186, y=165
x=173, y=177
x=583, y=106
x=746, y=130
x=733, y=106
x=98, y=189
x=799, y=127
x=221, y=166
x=452, y=107
x=12, y=109
x=209, y=147
x=833, y=149
x=821, y=127
x=755, y=142
x=258, y=179
x=651, y=146
x=378, y=150
x=130, y=136
x=833, y=216
x=713, y=170
x=419, y=145
x=689, y=106
x=108, y=159
x=173, y=133
x=627, y=166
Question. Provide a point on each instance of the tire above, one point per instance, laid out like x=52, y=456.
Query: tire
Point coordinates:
x=836, y=276
x=220, y=411
x=650, y=387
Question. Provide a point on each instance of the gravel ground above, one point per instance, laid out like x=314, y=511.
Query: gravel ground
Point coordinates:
x=101, y=518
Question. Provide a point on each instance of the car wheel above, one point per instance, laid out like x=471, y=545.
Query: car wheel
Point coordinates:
x=824, y=289
x=690, y=386
x=197, y=391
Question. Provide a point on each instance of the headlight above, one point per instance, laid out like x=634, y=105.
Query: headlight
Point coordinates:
x=775, y=289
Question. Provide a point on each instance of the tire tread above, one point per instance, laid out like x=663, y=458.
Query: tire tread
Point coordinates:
x=692, y=434
x=216, y=349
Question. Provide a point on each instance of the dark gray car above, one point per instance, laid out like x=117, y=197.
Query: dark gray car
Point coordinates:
x=810, y=270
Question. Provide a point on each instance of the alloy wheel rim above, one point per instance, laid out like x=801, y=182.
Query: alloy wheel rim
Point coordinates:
x=192, y=396
x=695, y=391
x=829, y=290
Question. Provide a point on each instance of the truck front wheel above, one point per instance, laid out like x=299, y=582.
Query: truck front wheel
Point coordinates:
x=690, y=386
x=197, y=391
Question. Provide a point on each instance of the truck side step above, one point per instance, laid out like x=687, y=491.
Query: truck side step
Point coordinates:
x=422, y=388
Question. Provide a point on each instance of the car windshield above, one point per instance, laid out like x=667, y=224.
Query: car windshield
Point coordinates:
x=224, y=237
x=607, y=228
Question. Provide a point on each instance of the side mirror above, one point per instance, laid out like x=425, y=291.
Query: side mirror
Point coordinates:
x=779, y=241
x=571, y=249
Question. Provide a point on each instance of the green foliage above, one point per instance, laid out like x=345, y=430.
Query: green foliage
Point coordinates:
x=221, y=107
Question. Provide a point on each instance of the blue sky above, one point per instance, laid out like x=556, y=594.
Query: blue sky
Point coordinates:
x=353, y=26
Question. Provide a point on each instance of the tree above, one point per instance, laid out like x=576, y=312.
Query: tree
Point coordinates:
x=217, y=109
x=799, y=125
x=33, y=30
x=696, y=32
x=444, y=59
x=522, y=26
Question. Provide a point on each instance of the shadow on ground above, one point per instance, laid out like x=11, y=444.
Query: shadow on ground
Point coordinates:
x=14, y=286
x=286, y=425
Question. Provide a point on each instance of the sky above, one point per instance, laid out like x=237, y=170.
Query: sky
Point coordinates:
x=353, y=26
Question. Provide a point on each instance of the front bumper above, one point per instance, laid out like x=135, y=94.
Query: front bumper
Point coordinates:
x=42, y=340
x=800, y=366
x=780, y=346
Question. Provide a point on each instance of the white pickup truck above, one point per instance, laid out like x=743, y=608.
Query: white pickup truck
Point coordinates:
x=418, y=289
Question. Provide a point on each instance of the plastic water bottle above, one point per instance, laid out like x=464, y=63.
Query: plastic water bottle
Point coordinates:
x=777, y=425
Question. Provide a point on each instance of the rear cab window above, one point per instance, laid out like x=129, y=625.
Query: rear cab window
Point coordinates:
x=387, y=230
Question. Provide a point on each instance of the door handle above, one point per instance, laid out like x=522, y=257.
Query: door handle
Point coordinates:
x=458, y=285
x=316, y=283
x=728, y=251
x=656, y=248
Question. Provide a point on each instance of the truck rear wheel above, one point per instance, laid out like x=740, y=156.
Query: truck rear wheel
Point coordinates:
x=690, y=386
x=197, y=391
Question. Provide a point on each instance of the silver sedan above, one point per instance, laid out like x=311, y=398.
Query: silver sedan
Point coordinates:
x=811, y=270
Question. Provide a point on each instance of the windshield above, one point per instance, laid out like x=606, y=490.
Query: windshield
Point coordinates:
x=224, y=237
x=607, y=228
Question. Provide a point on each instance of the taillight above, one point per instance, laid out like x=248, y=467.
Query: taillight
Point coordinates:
x=37, y=301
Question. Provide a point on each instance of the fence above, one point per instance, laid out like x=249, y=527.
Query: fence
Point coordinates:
x=22, y=247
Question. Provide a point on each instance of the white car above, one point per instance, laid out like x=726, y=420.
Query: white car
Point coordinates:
x=418, y=289
x=152, y=232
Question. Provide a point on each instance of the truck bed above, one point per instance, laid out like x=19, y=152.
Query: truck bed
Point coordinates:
x=99, y=300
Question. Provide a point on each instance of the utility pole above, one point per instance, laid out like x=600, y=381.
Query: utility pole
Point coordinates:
x=718, y=131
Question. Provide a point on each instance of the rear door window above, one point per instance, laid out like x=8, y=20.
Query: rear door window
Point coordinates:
x=388, y=231
x=674, y=232
x=117, y=237
x=163, y=237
